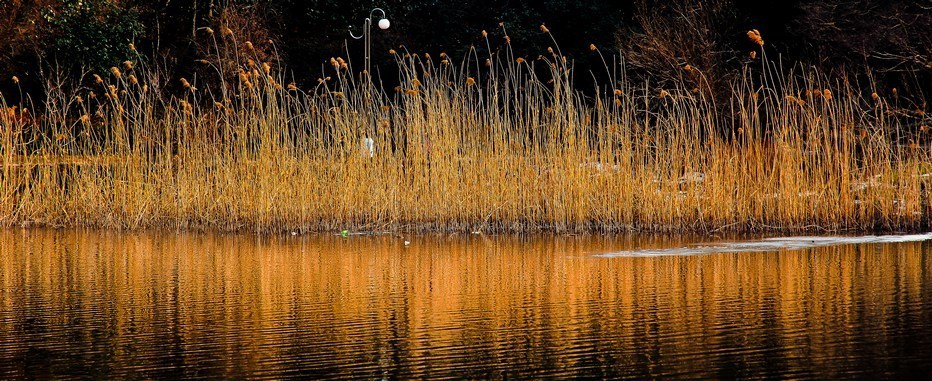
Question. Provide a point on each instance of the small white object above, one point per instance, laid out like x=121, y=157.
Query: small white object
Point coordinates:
x=294, y=233
x=369, y=145
x=384, y=24
x=407, y=243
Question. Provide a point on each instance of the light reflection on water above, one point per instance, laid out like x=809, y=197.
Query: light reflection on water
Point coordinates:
x=165, y=305
x=766, y=244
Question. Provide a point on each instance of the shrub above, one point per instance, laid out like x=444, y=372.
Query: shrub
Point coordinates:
x=89, y=33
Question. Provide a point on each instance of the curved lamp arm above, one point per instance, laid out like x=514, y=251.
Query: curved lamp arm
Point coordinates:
x=350, y=28
x=377, y=9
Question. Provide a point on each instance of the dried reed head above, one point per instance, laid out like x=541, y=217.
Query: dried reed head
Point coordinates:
x=754, y=36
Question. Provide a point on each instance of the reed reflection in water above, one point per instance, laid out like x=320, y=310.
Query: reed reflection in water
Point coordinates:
x=164, y=305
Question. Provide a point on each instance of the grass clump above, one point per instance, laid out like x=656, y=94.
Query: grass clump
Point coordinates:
x=496, y=143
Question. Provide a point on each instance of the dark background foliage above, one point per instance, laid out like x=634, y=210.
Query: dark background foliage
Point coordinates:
x=886, y=43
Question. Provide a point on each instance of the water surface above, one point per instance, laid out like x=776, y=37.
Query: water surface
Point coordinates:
x=88, y=304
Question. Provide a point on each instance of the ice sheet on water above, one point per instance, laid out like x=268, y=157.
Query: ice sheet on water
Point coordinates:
x=767, y=244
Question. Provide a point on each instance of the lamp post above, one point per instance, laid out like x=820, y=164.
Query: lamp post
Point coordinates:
x=367, y=35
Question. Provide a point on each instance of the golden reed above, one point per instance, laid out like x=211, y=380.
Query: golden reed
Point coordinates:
x=495, y=146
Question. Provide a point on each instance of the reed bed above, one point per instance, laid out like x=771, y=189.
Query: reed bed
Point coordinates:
x=480, y=143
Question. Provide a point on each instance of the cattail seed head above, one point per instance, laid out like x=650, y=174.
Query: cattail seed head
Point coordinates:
x=520, y=60
x=209, y=30
x=116, y=72
x=485, y=34
x=132, y=47
x=827, y=94
x=753, y=54
x=132, y=79
x=617, y=92
x=226, y=31
x=15, y=79
x=592, y=47
x=415, y=82
x=392, y=51
x=266, y=67
x=128, y=65
x=543, y=28
x=754, y=36
x=249, y=46
x=470, y=81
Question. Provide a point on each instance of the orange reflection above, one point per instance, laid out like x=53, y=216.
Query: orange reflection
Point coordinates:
x=370, y=306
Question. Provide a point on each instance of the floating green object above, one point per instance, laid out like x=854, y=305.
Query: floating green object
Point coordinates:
x=344, y=233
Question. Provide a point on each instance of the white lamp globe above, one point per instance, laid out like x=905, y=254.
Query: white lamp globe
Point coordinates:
x=384, y=24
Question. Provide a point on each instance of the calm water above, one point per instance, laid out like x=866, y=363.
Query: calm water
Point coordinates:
x=81, y=304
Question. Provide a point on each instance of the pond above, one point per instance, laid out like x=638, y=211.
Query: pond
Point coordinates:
x=166, y=305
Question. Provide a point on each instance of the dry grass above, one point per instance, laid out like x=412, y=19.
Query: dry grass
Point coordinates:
x=496, y=143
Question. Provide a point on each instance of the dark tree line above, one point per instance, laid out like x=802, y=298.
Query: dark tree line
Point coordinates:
x=884, y=42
